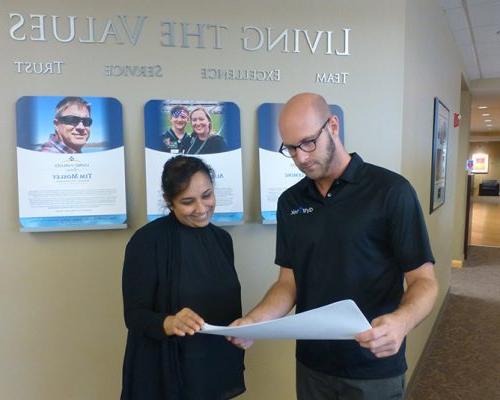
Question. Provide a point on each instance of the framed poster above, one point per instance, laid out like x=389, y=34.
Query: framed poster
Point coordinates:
x=70, y=163
x=209, y=130
x=439, y=149
x=479, y=163
x=277, y=172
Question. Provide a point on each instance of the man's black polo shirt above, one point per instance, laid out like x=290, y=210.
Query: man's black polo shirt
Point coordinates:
x=355, y=243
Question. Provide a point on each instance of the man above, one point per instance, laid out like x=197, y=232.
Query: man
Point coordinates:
x=176, y=140
x=349, y=229
x=72, y=126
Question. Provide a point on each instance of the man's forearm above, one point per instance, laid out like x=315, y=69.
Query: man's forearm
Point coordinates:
x=278, y=301
x=418, y=299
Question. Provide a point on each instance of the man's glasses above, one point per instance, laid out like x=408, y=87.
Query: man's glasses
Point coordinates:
x=75, y=120
x=309, y=145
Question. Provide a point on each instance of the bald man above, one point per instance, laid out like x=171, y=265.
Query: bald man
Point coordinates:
x=348, y=230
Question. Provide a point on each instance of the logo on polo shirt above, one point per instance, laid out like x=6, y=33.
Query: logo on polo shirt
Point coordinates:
x=302, y=210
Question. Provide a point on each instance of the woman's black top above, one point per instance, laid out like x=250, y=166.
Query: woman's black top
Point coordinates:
x=213, y=144
x=169, y=266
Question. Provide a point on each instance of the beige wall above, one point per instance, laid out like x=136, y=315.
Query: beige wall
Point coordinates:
x=432, y=69
x=62, y=333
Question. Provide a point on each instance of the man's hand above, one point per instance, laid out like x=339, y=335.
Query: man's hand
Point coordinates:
x=386, y=336
x=242, y=343
x=185, y=322
x=389, y=330
x=277, y=302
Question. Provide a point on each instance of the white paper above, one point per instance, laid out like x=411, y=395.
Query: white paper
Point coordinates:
x=340, y=320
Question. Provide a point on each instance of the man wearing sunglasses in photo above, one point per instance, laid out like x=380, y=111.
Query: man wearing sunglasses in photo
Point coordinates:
x=349, y=229
x=72, y=127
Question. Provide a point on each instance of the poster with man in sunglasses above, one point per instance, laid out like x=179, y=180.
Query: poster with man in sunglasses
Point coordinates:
x=70, y=163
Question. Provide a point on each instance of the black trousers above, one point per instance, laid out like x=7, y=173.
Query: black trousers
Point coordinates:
x=314, y=385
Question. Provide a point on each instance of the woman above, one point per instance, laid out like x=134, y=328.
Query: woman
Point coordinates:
x=178, y=272
x=203, y=141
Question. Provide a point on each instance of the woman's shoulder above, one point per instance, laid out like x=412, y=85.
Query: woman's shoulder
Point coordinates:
x=216, y=138
x=215, y=144
x=152, y=230
x=221, y=233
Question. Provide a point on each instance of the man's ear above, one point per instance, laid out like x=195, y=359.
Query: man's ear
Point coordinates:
x=55, y=126
x=334, y=125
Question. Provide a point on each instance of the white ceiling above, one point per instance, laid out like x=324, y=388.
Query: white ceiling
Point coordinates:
x=475, y=25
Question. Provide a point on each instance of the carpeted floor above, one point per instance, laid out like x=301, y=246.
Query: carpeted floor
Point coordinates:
x=462, y=359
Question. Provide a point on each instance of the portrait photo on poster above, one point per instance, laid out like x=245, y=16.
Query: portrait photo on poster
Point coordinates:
x=192, y=127
x=68, y=125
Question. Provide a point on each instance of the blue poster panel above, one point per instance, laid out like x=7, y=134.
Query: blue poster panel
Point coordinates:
x=209, y=130
x=70, y=163
x=277, y=172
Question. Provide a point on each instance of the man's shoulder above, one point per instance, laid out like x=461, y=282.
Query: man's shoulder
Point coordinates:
x=383, y=176
x=52, y=147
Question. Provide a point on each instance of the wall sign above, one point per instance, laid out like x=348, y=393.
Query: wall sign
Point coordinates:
x=70, y=163
x=205, y=129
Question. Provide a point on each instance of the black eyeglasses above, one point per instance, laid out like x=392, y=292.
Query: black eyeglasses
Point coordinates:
x=75, y=120
x=309, y=145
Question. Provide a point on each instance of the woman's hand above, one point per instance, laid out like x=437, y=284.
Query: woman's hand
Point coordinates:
x=185, y=322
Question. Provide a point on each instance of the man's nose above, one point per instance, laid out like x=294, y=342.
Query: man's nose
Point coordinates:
x=80, y=125
x=301, y=155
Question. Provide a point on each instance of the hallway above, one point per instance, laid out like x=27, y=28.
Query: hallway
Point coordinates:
x=485, y=229
x=461, y=358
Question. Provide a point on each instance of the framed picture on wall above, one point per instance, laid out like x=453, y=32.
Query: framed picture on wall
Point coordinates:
x=479, y=163
x=439, y=150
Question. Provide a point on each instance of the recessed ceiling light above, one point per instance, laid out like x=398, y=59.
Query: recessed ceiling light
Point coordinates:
x=486, y=115
x=482, y=107
x=489, y=126
x=488, y=120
